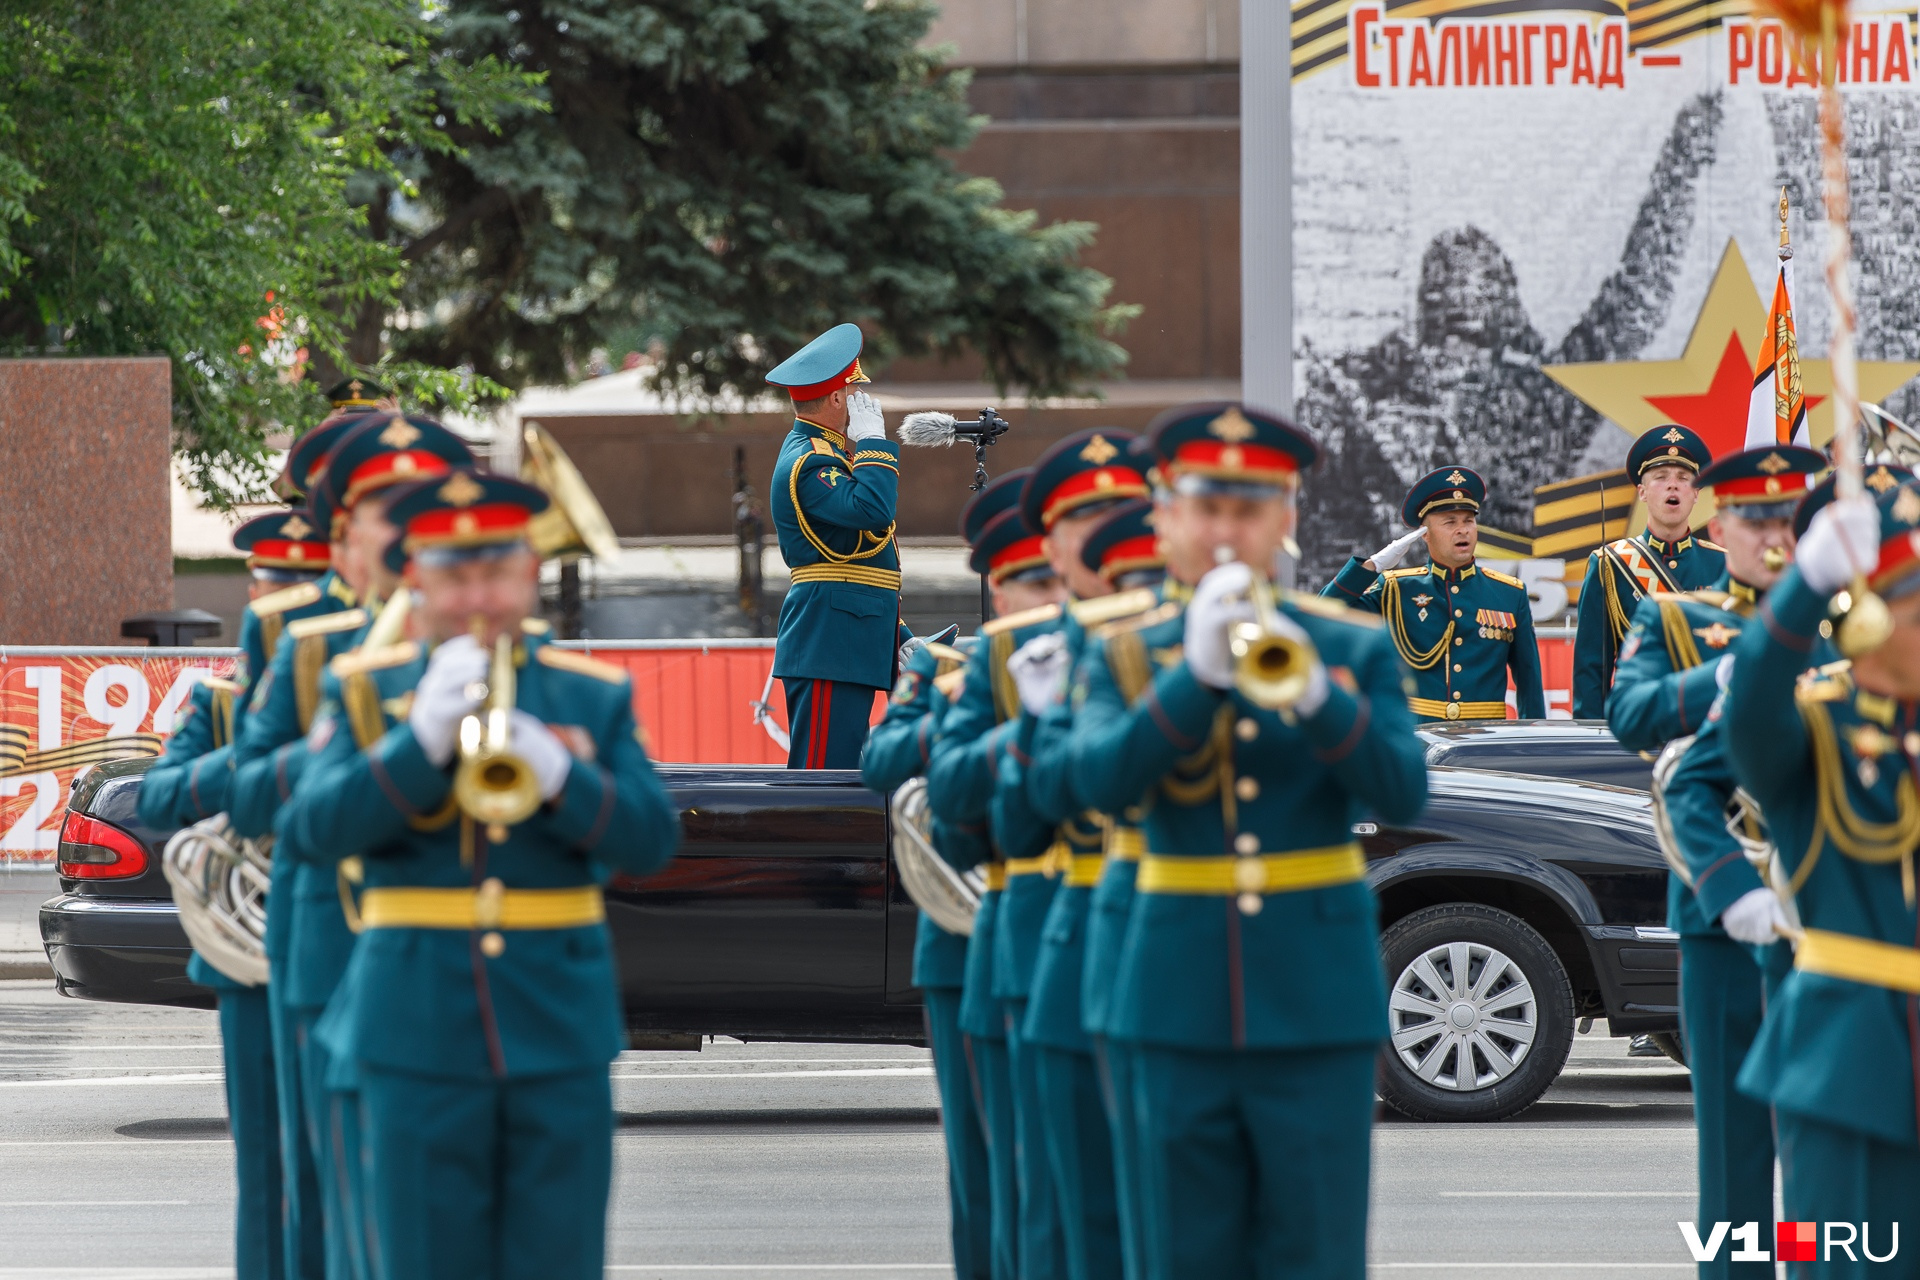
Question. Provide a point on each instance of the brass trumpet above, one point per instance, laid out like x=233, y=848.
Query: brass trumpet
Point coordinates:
x=1270, y=668
x=493, y=785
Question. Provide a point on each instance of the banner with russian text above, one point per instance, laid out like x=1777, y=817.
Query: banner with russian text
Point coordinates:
x=1524, y=231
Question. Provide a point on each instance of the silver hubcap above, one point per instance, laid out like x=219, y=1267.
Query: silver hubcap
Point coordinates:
x=1463, y=1016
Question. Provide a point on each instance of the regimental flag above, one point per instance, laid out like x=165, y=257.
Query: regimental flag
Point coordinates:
x=1572, y=518
x=1777, y=411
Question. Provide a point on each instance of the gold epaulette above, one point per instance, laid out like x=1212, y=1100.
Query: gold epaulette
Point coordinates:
x=1321, y=607
x=219, y=685
x=951, y=682
x=1711, y=546
x=947, y=653
x=1822, y=685
x=580, y=664
x=1507, y=578
x=1140, y=622
x=1405, y=573
x=1103, y=609
x=1024, y=618
x=297, y=596
x=821, y=446
x=1707, y=596
x=392, y=655
x=535, y=626
x=327, y=624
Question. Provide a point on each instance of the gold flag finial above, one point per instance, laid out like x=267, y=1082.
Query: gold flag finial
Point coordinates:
x=1783, y=221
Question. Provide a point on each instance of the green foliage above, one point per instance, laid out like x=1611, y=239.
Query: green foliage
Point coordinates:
x=732, y=177
x=177, y=177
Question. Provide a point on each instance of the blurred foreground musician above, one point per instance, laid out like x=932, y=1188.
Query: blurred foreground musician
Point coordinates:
x=833, y=495
x=480, y=1009
x=1831, y=760
x=1252, y=1092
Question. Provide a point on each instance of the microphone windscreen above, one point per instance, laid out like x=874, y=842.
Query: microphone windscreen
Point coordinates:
x=927, y=428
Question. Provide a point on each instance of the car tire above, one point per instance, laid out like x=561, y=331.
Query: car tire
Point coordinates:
x=1512, y=1030
x=1673, y=1044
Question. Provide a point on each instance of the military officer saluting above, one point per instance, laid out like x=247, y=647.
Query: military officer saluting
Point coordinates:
x=1668, y=677
x=976, y=732
x=480, y=1009
x=898, y=750
x=1253, y=1091
x=1831, y=761
x=833, y=494
x=1666, y=556
x=1459, y=627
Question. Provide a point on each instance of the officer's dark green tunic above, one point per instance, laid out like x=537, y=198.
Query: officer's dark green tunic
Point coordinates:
x=1459, y=630
x=1608, y=599
x=264, y=640
x=976, y=733
x=188, y=783
x=1837, y=1057
x=482, y=1073
x=833, y=510
x=1664, y=688
x=899, y=749
x=1255, y=1034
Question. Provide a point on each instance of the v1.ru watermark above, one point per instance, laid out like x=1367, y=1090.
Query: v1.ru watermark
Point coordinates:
x=1792, y=1242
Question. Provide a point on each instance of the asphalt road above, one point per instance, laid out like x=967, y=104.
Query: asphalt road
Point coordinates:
x=759, y=1162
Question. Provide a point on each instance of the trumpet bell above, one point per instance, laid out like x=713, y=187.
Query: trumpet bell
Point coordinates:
x=1866, y=626
x=575, y=524
x=1270, y=670
x=496, y=788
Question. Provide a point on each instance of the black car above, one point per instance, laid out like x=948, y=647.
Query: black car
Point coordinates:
x=1516, y=905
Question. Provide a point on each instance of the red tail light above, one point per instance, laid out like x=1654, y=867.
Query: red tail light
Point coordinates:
x=93, y=850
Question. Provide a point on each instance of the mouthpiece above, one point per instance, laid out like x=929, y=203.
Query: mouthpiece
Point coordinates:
x=1223, y=554
x=927, y=429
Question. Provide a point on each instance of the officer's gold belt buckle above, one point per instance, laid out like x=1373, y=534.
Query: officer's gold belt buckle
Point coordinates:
x=1251, y=877
x=1868, y=961
x=1435, y=709
x=490, y=907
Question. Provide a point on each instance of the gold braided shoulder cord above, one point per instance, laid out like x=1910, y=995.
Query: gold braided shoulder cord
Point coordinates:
x=1418, y=659
x=309, y=659
x=270, y=628
x=1682, y=652
x=1836, y=819
x=360, y=699
x=1617, y=619
x=1006, y=693
x=222, y=709
x=880, y=541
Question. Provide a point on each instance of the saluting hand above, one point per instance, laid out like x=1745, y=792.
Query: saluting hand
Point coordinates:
x=1390, y=556
x=864, y=421
x=448, y=691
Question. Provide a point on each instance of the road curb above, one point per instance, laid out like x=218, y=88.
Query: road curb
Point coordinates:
x=18, y=965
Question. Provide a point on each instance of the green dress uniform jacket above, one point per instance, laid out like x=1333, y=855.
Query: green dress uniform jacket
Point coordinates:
x=1832, y=768
x=833, y=509
x=1214, y=768
x=417, y=1001
x=1608, y=600
x=1459, y=630
x=1665, y=679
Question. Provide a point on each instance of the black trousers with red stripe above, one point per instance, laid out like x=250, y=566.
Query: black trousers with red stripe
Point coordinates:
x=827, y=722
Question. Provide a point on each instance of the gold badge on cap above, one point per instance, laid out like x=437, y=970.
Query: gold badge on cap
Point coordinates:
x=1673, y=436
x=399, y=434
x=1456, y=478
x=1099, y=451
x=1232, y=426
x=461, y=490
x=1880, y=479
x=1773, y=464
x=296, y=528
x=1906, y=507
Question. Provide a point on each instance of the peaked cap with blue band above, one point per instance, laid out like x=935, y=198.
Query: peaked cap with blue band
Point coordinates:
x=1765, y=483
x=383, y=450
x=1081, y=474
x=1010, y=548
x=466, y=514
x=1667, y=446
x=828, y=363
x=1123, y=543
x=1445, y=489
x=1878, y=479
x=1227, y=448
x=1001, y=494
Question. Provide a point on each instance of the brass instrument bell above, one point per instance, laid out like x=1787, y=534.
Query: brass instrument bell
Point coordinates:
x=492, y=785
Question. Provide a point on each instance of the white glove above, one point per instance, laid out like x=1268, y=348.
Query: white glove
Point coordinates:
x=543, y=751
x=1723, y=672
x=1755, y=918
x=863, y=418
x=1039, y=670
x=1843, y=540
x=1218, y=602
x=1390, y=556
x=447, y=692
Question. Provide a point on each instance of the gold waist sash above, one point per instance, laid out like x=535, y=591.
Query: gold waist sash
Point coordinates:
x=1864, y=960
x=491, y=906
x=1257, y=873
x=888, y=579
x=1434, y=709
x=1126, y=844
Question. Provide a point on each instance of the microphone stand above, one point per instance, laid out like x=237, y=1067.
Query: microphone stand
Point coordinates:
x=983, y=431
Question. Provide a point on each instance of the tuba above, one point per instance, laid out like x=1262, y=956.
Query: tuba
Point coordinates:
x=575, y=524
x=220, y=886
x=1744, y=821
x=492, y=785
x=949, y=897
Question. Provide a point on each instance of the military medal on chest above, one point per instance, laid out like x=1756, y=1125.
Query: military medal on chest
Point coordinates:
x=1423, y=601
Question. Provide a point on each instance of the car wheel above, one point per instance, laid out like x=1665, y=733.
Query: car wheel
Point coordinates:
x=1673, y=1044
x=1480, y=1011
